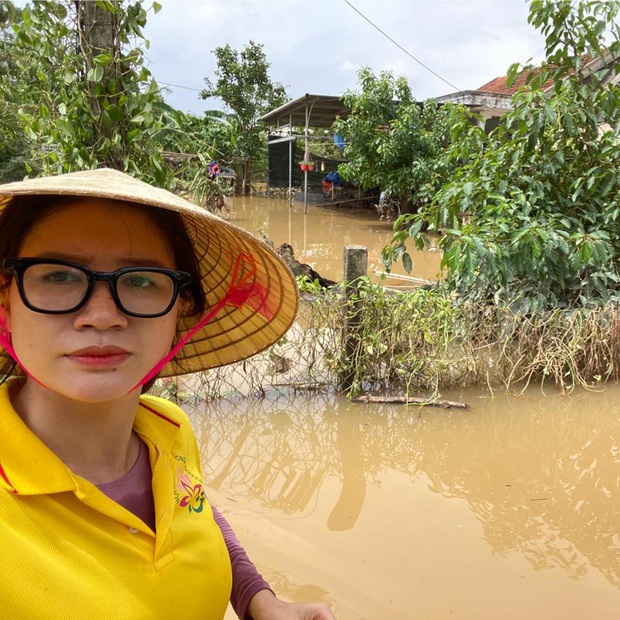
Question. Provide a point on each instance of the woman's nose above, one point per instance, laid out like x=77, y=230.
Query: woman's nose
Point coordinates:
x=100, y=311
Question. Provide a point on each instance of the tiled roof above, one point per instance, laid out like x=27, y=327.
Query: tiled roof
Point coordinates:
x=498, y=85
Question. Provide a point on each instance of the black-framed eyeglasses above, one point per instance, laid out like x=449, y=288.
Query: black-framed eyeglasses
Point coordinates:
x=54, y=286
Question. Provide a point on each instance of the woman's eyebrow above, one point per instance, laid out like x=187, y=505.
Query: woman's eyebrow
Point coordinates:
x=84, y=260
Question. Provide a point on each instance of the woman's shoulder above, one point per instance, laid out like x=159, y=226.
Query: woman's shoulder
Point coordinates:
x=164, y=408
x=165, y=424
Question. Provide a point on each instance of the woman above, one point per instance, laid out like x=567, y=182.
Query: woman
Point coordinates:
x=107, y=283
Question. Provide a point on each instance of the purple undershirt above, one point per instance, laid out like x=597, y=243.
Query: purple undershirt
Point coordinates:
x=134, y=492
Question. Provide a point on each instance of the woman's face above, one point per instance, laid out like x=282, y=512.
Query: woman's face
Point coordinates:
x=97, y=353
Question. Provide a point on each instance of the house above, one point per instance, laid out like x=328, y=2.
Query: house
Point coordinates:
x=493, y=99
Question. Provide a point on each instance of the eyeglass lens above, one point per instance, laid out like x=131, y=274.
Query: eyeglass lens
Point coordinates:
x=58, y=288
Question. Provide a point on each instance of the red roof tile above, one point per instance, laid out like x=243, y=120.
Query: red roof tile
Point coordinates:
x=499, y=85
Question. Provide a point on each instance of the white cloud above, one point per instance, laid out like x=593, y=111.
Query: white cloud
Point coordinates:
x=320, y=46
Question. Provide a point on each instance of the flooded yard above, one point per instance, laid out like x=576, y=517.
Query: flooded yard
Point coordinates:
x=508, y=509
x=319, y=237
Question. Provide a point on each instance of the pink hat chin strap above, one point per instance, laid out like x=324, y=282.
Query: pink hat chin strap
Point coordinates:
x=6, y=344
x=180, y=344
x=243, y=290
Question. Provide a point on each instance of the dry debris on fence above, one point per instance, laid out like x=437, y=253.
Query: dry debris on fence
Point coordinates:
x=420, y=341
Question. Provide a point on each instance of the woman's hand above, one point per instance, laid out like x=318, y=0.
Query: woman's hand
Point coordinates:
x=265, y=606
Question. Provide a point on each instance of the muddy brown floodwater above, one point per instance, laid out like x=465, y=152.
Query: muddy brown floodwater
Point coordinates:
x=319, y=237
x=509, y=509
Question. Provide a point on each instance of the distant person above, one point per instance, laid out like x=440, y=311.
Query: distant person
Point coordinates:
x=330, y=180
x=107, y=283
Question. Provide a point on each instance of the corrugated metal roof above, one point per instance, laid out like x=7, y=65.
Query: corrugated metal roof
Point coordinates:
x=322, y=110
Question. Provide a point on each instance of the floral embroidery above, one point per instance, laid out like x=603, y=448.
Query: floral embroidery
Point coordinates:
x=191, y=494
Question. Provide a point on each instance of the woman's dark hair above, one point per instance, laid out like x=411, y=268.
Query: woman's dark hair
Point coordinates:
x=23, y=213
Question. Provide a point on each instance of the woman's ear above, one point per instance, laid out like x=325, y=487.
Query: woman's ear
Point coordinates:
x=4, y=299
x=182, y=308
x=5, y=289
x=5, y=322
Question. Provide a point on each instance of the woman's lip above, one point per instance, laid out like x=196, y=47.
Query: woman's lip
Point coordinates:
x=99, y=357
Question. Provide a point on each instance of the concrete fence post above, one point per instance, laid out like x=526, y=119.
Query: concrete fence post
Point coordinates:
x=355, y=267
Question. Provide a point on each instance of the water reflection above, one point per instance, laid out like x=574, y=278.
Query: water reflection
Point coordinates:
x=540, y=473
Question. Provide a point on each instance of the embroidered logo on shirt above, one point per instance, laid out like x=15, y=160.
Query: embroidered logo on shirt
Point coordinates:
x=191, y=494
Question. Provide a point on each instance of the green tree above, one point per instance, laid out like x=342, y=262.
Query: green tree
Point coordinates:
x=533, y=217
x=244, y=85
x=14, y=146
x=87, y=98
x=191, y=143
x=210, y=134
x=392, y=142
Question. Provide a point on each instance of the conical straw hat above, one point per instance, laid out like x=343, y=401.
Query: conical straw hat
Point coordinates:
x=251, y=294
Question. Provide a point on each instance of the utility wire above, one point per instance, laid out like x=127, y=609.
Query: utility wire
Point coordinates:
x=387, y=36
x=198, y=90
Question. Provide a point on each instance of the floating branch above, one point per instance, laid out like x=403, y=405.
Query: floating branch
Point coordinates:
x=410, y=400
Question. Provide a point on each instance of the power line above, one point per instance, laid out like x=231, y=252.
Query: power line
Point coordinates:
x=399, y=46
x=198, y=90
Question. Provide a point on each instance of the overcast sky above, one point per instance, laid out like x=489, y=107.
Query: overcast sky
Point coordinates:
x=319, y=46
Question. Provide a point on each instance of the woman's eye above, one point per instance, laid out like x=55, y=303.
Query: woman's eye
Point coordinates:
x=139, y=281
x=61, y=277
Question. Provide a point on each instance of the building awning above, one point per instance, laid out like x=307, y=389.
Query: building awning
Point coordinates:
x=316, y=110
x=305, y=112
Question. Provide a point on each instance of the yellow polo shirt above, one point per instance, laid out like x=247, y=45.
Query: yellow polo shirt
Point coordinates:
x=69, y=551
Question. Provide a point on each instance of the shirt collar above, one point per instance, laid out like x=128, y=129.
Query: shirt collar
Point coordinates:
x=29, y=467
